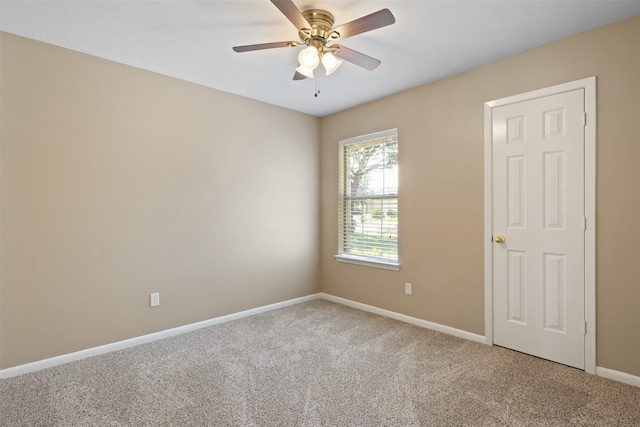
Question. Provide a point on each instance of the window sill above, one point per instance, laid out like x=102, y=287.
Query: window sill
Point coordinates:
x=369, y=262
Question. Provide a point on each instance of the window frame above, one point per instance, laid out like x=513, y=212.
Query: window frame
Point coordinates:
x=364, y=260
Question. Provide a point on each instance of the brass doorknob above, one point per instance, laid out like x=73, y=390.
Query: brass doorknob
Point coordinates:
x=499, y=238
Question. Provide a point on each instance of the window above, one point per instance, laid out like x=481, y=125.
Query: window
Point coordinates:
x=368, y=200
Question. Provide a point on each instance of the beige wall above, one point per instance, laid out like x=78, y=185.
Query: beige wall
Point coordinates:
x=440, y=131
x=117, y=182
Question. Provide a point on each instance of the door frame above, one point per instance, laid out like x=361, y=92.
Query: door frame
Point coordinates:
x=589, y=86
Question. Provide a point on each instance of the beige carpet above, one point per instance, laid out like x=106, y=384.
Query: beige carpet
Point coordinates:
x=315, y=364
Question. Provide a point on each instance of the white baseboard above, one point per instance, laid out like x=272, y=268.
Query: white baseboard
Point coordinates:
x=404, y=318
x=107, y=348
x=621, y=377
x=601, y=372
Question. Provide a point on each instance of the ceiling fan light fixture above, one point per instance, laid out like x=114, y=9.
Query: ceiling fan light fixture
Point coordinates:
x=330, y=62
x=309, y=58
x=307, y=72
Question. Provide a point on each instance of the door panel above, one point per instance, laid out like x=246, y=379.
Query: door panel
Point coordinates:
x=538, y=206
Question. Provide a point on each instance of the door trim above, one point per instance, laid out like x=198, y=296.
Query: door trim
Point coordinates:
x=589, y=86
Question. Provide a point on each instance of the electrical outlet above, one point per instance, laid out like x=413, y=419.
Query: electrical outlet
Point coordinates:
x=407, y=288
x=154, y=299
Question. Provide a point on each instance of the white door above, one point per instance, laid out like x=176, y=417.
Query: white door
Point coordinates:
x=538, y=189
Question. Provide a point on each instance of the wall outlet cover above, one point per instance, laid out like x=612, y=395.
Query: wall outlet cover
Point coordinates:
x=407, y=288
x=154, y=299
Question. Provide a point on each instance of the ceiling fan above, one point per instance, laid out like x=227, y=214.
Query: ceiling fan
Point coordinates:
x=316, y=32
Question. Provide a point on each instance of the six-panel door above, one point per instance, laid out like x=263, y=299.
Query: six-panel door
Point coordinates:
x=538, y=206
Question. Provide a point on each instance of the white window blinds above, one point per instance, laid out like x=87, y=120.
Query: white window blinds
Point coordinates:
x=368, y=197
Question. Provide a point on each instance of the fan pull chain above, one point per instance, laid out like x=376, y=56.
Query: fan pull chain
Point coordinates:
x=317, y=85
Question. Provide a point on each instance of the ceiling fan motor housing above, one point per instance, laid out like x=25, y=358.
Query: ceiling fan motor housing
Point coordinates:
x=321, y=23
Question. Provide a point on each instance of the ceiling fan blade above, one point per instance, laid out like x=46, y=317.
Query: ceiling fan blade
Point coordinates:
x=355, y=57
x=299, y=76
x=292, y=13
x=378, y=19
x=250, y=47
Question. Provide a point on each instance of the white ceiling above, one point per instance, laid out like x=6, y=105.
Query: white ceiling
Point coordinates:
x=192, y=40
